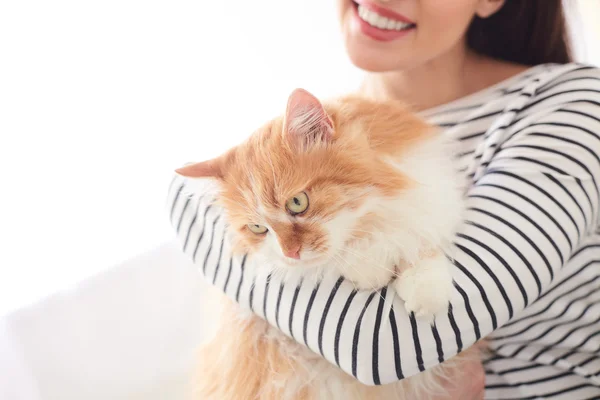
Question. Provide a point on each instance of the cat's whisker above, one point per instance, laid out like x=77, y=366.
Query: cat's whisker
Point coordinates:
x=373, y=288
x=361, y=257
x=340, y=260
x=394, y=273
x=358, y=256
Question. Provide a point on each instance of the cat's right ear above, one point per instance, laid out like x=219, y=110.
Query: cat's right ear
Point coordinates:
x=306, y=122
x=203, y=169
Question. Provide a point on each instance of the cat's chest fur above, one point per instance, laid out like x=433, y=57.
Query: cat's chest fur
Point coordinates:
x=407, y=227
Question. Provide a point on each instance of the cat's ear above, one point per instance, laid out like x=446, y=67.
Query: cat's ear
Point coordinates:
x=306, y=122
x=204, y=169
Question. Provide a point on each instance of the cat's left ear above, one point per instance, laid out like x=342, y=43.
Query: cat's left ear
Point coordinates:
x=203, y=169
x=306, y=122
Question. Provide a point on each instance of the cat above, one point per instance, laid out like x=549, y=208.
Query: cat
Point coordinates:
x=328, y=185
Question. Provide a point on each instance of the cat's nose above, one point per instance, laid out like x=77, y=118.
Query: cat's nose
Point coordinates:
x=292, y=252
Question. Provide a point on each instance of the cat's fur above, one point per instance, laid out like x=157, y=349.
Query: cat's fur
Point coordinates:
x=384, y=200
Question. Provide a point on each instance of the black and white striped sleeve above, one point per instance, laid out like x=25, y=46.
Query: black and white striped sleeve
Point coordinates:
x=533, y=203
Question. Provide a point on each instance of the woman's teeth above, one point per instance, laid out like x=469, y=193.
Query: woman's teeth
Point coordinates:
x=378, y=21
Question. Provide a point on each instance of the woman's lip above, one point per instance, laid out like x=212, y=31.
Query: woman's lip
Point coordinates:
x=384, y=12
x=381, y=35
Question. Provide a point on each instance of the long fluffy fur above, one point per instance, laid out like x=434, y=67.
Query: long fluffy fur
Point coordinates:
x=248, y=359
x=383, y=188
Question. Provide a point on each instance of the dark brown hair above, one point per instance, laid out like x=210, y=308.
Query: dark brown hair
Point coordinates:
x=529, y=32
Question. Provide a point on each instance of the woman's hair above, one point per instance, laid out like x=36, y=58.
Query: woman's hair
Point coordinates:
x=529, y=32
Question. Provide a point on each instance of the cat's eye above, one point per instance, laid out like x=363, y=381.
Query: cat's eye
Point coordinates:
x=297, y=204
x=258, y=229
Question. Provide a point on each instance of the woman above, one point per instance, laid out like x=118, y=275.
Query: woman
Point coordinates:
x=497, y=75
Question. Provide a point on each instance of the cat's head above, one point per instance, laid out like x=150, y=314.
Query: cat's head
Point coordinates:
x=301, y=190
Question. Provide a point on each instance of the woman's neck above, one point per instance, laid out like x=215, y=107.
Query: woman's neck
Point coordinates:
x=452, y=76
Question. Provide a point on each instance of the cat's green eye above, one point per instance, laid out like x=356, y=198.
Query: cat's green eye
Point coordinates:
x=297, y=204
x=258, y=229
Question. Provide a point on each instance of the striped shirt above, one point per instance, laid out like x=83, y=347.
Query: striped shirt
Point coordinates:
x=527, y=265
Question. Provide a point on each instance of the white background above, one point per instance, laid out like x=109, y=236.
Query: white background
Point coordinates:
x=101, y=100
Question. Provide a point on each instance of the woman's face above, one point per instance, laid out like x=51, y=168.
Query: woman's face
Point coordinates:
x=386, y=35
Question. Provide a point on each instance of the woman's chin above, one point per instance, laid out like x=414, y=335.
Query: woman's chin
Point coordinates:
x=371, y=56
x=373, y=60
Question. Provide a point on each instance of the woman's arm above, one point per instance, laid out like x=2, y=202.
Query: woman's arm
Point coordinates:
x=533, y=202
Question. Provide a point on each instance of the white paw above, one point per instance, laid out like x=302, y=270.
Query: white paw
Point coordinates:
x=426, y=288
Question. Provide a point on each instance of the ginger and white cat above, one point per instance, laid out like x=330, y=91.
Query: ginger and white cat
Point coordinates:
x=330, y=185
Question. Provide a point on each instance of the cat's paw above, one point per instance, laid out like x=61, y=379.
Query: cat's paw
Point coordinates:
x=427, y=288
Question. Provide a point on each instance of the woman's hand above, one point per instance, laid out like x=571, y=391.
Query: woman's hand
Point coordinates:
x=466, y=382
x=469, y=384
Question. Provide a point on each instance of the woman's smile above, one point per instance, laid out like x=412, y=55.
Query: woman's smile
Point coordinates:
x=379, y=23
